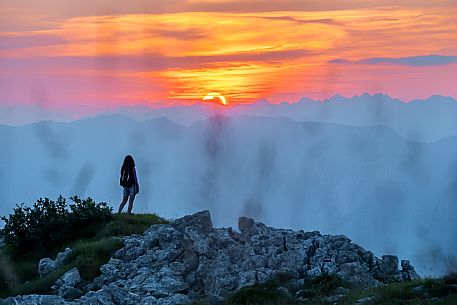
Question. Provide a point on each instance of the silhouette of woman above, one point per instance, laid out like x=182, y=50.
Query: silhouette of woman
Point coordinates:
x=129, y=181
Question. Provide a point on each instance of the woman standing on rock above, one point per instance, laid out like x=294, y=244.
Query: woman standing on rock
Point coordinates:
x=129, y=181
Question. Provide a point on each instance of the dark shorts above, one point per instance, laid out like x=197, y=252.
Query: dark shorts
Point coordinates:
x=129, y=191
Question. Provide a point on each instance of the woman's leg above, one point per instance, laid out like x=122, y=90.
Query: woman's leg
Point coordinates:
x=132, y=197
x=121, y=206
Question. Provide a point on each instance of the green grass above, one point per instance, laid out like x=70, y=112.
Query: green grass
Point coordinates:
x=38, y=285
x=260, y=294
x=317, y=290
x=124, y=224
x=88, y=254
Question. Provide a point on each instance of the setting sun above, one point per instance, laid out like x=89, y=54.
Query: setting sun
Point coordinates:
x=214, y=95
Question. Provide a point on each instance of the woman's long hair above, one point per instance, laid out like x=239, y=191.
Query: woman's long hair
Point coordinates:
x=128, y=164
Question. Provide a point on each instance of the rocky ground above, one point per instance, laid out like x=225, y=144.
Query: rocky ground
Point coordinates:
x=188, y=259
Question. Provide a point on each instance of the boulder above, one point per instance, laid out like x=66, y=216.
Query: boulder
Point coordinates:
x=66, y=285
x=200, y=221
x=71, y=278
x=386, y=269
x=248, y=227
x=63, y=257
x=407, y=271
x=46, y=266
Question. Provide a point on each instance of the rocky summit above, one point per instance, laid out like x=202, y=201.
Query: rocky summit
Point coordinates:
x=189, y=259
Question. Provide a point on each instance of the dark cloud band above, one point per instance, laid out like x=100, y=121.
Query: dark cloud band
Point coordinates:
x=414, y=61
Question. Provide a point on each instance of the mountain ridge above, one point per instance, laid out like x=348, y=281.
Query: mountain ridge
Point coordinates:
x=423, y=120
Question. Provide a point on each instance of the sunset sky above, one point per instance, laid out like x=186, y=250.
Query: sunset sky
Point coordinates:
x=100, y=54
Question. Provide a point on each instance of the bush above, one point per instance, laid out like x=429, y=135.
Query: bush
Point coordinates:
x=86, y=211
x=86, y=217
x=49, y=224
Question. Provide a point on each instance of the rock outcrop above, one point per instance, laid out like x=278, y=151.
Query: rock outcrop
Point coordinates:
x=47, y=265
x=189, y=259
x=67, y=286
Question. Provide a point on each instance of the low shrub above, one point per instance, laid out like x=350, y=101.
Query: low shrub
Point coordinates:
x=50, y=224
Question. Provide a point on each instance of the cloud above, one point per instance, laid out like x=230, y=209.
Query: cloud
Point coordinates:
x=302, y=21
x=414, y=61
x=63, y=9
x=124, y=57
x=28, y=41
x=147, y=61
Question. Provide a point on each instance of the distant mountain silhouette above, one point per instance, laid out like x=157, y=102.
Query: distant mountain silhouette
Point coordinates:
x=419, y=120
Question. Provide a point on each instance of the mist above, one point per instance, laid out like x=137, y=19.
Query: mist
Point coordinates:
x=387, y=193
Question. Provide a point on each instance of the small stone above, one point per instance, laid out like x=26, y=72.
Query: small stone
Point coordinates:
x=284, y=291
x=333, y=298
x=342, y=290
x=365, y=300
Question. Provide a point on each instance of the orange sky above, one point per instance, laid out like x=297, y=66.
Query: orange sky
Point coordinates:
x=162, y=53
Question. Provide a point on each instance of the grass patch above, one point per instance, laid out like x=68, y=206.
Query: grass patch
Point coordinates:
x=39, y=285
x=435, y=291
x=124, y=224
x=432, y=291
x=324, y=285
x=90, y=255
x=260, y=294
x=399, y=291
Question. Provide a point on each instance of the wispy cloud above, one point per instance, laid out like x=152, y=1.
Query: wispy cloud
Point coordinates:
x=181, y=49
x=414, y=61
x=58, y=9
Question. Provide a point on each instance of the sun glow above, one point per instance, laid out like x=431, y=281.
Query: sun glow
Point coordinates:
x=214, y=95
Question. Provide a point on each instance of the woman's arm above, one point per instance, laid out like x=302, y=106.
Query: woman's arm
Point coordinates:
x=137, y=186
